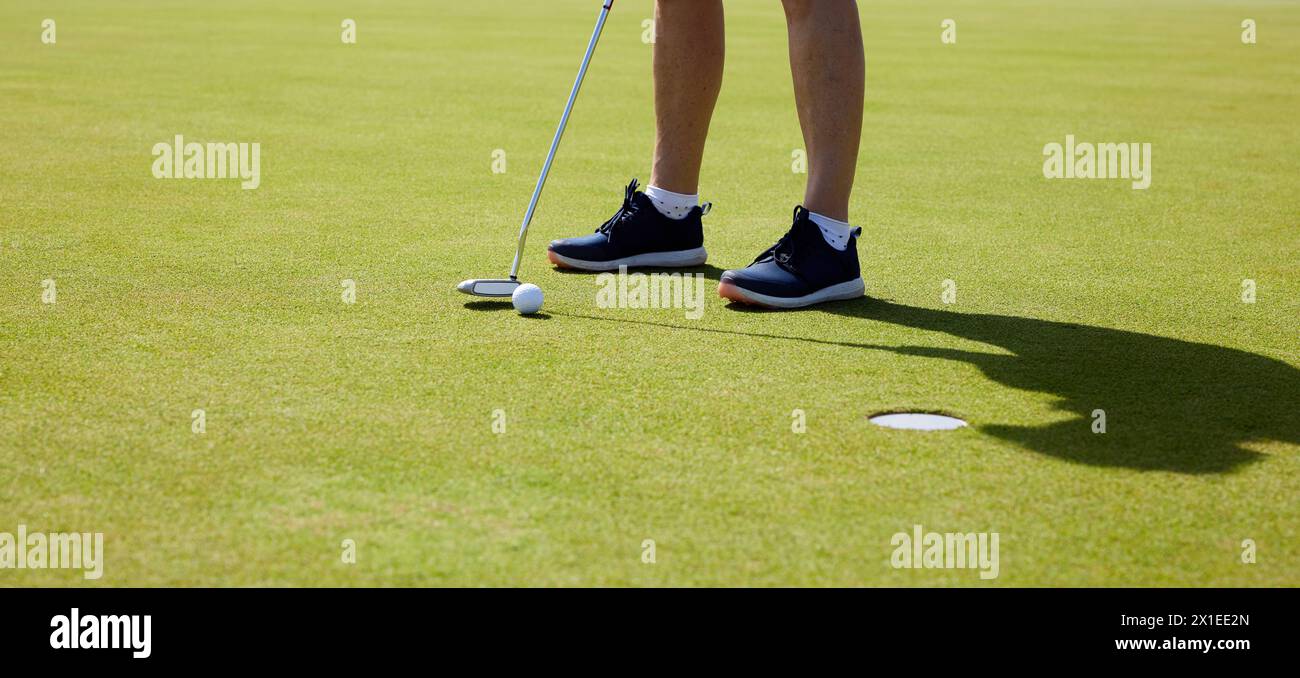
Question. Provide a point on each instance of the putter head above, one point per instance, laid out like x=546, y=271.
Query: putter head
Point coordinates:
x=480, y=287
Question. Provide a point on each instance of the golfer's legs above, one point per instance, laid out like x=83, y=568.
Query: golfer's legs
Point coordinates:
x=829, y=78
x=688, y=74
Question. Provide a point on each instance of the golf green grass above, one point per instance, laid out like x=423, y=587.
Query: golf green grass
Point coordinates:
x=373, y=421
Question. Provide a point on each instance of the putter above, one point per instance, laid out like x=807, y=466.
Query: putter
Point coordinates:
x=500, y=287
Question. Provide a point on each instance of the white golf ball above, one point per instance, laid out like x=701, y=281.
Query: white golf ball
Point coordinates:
x=527, y=298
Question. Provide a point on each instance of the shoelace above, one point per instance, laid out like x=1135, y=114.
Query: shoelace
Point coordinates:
x=625, y=212
x=783, y=251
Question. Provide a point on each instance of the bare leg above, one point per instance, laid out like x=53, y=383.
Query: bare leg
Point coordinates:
x=826, y=59
x=688, y=55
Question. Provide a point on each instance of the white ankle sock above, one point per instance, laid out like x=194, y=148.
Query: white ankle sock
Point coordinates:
x=836, y=233
x=671, y=205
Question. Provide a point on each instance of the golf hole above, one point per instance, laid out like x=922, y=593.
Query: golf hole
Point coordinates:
x=917, y=421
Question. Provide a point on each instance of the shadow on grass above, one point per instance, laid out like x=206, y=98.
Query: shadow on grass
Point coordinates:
x=503, y=304
x=1170, y=405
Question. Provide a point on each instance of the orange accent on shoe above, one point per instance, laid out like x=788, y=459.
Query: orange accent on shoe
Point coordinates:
x=729, y=291
x=556, y=260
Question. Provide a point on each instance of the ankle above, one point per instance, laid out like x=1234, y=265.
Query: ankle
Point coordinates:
x=671, y=204
x=837, y=233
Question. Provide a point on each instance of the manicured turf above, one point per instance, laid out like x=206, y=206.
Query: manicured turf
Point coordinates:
x=373, y=421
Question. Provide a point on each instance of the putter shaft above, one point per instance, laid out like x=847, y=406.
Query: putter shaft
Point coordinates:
x=559, y=132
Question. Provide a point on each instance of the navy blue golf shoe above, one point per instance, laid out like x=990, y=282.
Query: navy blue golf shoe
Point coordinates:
x=637, y=235
x=801, y=269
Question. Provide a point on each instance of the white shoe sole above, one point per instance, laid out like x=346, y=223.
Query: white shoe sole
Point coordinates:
x=676, y=259
x=851, y=289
